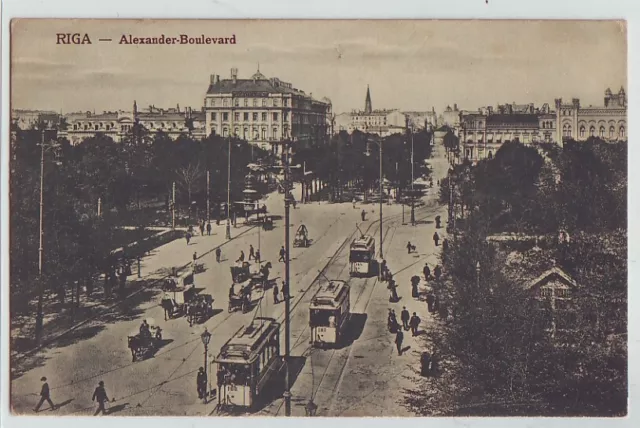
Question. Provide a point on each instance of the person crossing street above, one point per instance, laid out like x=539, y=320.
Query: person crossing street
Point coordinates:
x=398, y=341
x=208, y=229
x=201, y=383
x=436, y=238
x=100, y=396
x=218, y=253
x=283, y=255
x=414, y=323
x=404, y=317
x=252, y=254
x=45, y=395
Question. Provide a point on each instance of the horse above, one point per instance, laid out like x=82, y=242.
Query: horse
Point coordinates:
x=169, y=308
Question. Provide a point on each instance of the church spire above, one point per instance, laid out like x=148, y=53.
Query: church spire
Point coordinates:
x=367, y=102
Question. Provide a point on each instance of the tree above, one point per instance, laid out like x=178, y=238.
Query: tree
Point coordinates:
x=189, y=177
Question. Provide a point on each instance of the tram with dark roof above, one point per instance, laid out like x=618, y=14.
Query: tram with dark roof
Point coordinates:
x=329, y=313
x=247, y=362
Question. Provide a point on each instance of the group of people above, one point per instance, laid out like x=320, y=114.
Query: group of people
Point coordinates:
x=99, y=396
x=409, y=322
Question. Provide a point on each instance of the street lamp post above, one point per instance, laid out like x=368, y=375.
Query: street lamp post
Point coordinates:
x=206, y=337
x=287, y=288
x=39, y=315
x=173, y=206
x=413, y=214
x=380, y=144
x=228, y=234
x=208, y=199
x=478, y=274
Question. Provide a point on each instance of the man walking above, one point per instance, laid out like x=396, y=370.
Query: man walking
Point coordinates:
x=437, y=272
x=100, y=395
x=283, y=254
x=409, y=247
x=399, y=339
x=45, y=396
x=252, y=254
x=201, y=383
x=208, y=229
x=363, y=215
x=436, y=238
x=195, y=257
x=202, y=229
x=404, y=317
x=218, y=252
x=187, y=237
x=426, y=271
x=257, y=256
x=276, y=300
x=414, y=323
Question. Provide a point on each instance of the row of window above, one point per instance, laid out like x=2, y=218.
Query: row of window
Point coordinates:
x=566, y=131
x=255, y=133
x=547, y=125
x=245, y=116
x=226, y=102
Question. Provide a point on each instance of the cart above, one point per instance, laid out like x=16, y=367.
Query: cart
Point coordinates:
x=302, y=237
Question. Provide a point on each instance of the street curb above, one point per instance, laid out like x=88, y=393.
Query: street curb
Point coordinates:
x=109, y=308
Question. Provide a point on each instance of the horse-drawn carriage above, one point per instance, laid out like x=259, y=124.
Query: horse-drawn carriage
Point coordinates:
x=302, y=237
x=178, y=291
x=267, y=223
x=199, y=308
x=247, y=287
x=144, y=343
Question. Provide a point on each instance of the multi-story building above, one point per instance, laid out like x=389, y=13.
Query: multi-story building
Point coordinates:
x=419, y=120
x=118, y=124
x=450, y=117
x=28, y=119
x=380, y=122
x=608, y=122
x=265, y=111
x=483, y=132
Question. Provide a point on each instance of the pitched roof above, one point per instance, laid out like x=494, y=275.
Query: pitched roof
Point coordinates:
x=554, y=271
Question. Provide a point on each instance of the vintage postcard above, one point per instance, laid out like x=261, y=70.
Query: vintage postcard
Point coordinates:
x=318, y=218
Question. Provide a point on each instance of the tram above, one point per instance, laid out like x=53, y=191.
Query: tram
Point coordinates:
x=246, y=363
x=329, y=313
x=362, y=253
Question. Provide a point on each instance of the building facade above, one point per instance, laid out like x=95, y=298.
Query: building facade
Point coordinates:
x=483, y=132
x=28, y=119
x=608, y=122
x=380, y=122
x=265, y=111
x=173, y=122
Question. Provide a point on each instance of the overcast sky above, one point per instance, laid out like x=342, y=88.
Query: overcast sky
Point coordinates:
x=412, y=65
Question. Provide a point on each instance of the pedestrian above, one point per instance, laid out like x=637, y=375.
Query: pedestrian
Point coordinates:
x=391, y=321
x=399, y=339
x=383, y=270
x=201, y=384
x=252, y=254
x=241, y=258
x=415, y=280
x=257, y=256
x=426, y=271
x=363, y=215
x=409, y=247
x=414, y=323
x=425, y=364
x=404, y=317
x=209, y=229
x=283, y=254
x=436, y=238
x=276, y=300
x=285, y=291
x=437, y=272
x=354, y=203
x=218, y=252
x=431, y=298
x=202, y=229
x=393, y=294
x=100, y=395
x=187, y=237
x=437, y=222
x=445, y=245
x=195, y=257
x=45, y=395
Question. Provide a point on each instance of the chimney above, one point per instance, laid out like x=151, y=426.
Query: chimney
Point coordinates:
x=455, y=107
x=234, y=75
x=212, y=79
x=178, y=108
x=217, y=78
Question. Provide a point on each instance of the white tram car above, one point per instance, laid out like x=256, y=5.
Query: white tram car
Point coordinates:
x=362, y=256
x=329, y=313
x=246, y=363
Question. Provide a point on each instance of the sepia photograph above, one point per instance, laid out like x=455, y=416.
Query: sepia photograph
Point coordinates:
x=318, y=218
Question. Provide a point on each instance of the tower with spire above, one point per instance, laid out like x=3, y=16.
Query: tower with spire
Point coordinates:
x=367, y=102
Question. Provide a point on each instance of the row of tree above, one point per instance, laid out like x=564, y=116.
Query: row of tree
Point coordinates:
x=496, y=355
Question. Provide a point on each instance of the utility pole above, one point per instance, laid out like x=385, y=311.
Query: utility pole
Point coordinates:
x=173, y=207
x=380, y=144
x=413, y=196
x=208, y=200
x=39, y=314
x=99, y=207
x=287, y=288
x=228, y=234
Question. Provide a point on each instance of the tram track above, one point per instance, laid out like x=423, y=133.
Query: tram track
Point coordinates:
x=322, y=360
